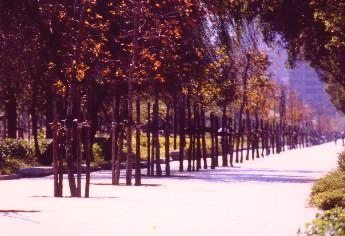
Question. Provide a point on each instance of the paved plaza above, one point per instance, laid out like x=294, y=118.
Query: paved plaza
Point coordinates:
x=267, y=196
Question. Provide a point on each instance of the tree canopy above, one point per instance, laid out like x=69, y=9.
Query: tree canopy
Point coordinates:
x=89, y=60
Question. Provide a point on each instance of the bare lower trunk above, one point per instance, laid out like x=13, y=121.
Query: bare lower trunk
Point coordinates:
x=203, y=137
x=167, y=134
x=11, y=115
x=148, y=138
x=137, y=145
x=224, y=133
x=88, y=160
x=213, y=162
x=182, y=133
x=156, y=135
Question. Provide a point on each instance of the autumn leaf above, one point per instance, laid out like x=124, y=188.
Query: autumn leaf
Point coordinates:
x=157, y=65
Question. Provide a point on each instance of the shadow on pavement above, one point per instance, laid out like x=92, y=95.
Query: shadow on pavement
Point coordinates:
x=252, y=175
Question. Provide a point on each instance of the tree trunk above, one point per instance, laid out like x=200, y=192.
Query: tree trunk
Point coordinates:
x=230, y=141
x=114, y=139
x=224, y=138
x=148, y=138
x=190, y=133
x=236, y=131
x=156, y=134
x=61, y=157
x=203, y=137
x=50, y=107
x=79, y=156
x=35, y=123
x=198, y=137
x=216, y=140
x=257, y=134
x=137, y=145
x=88, y=160
x=242, y=136
x=129, y=134
x=35, y=134
x=55, y=127
x=71, y=112
x=11, y=115
x=70, y=157
x=167, y=135
x=119, y=154
x=212, y=120
x=182, y=133
x=131, y=80
x=175, y=123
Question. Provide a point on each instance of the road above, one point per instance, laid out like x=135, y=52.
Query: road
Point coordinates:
x=267, y=196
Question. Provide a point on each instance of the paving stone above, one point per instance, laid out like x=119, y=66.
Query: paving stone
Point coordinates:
x=268, y=196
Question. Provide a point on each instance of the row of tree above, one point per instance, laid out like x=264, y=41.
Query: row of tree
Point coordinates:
x=74, y=60
x=201, y=142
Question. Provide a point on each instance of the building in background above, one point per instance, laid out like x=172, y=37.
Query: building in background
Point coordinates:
x=306, y=82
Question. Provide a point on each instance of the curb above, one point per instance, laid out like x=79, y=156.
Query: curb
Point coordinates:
x=10, y=177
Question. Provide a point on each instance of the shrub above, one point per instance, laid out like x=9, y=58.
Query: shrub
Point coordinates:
x=16, y=148
x=329, y=191
x=43, y=142
x=331, y=222
x=97, y=152
x=341, y=161
x=330, y=199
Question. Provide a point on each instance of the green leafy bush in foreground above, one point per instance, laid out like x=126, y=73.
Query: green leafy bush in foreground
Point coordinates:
x=330, y=223
x=341, y=161
x=328, y=194
x=329, y=191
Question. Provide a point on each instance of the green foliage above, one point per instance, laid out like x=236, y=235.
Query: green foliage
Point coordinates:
x=341, y=161
x=331, y=222
x=329, y=192
x=16, y=154
x=330, y=199
x=16, y=148
x=43, y=142
x=97, y=152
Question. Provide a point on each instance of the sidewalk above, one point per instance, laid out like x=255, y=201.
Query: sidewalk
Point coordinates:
x=267, y=196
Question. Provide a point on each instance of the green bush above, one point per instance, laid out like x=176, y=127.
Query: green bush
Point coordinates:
x=330, y=199
x=341, y=161
x=97, y=152
x=16, y=148
x=331, y=222
x=329, y=191
x=43, y=142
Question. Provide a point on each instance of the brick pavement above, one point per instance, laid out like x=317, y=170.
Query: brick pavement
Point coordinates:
x=267, y=196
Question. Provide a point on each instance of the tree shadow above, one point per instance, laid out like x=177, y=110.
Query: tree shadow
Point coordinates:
x=229, y=175
x=18, y=211
x=123, y=184
x=18, y=214
x=68, y=197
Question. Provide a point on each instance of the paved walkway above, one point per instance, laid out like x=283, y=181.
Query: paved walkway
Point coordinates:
x=262, y=197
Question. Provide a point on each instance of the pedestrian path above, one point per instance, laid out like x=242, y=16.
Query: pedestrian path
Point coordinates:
x=268, y=196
